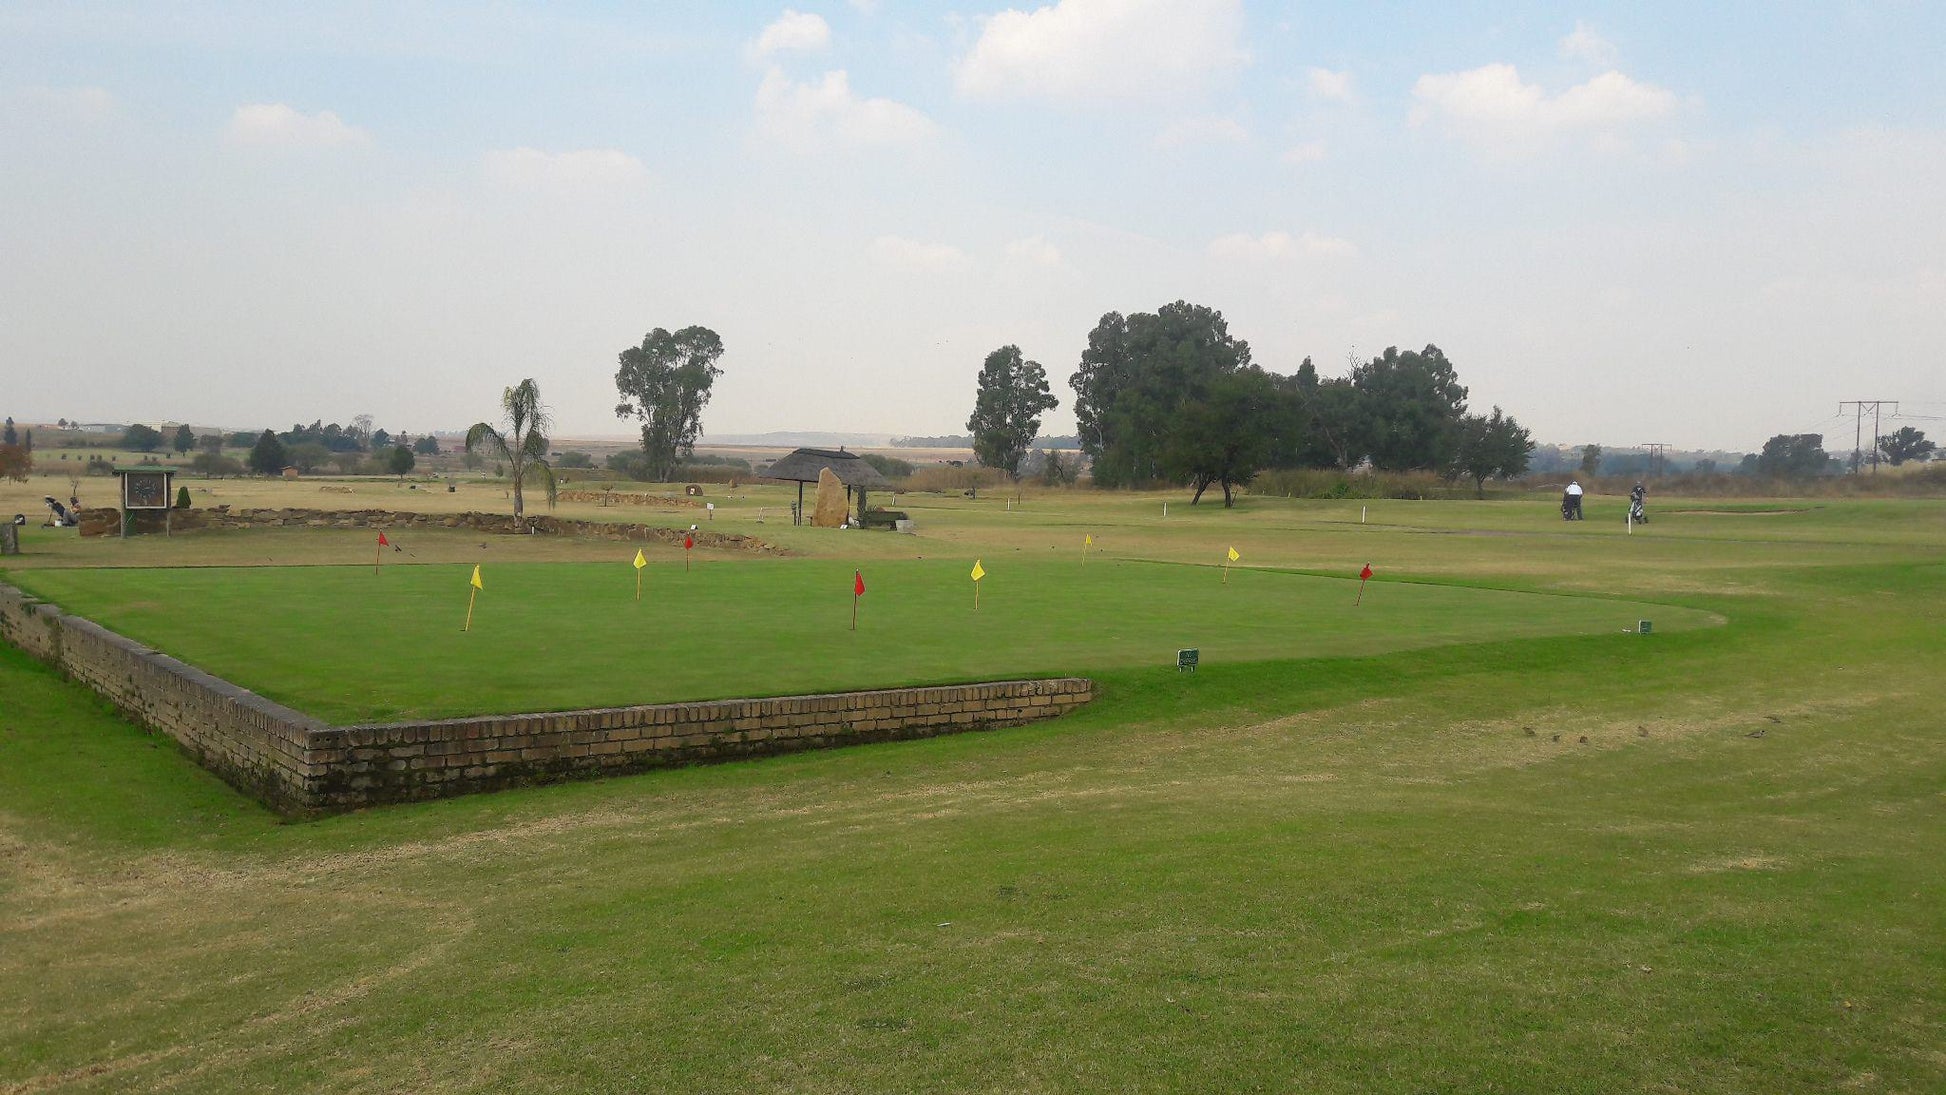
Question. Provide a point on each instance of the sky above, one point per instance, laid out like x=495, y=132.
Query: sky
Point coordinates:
x=1692, y=224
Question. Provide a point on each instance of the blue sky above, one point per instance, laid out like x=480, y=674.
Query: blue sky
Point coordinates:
x=1625, y=223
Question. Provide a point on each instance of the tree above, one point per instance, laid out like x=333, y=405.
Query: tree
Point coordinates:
x=400, y=460
x=141, y=438
x=427, y=445
x=210, y=443
x=15, y=461
x=574, y=459
x=1489, y=446
x=1793, y=456
x=1221, y=434
x=1135, y=376
x=1007, y=409
x=1411, y=405
x=1905, y=444
x=306, y=456
x=7, y=434
x=214, y=464
x=665, y=383
x=524, y=444
x=1590, y=459
x=185, y=438
x=267, y=456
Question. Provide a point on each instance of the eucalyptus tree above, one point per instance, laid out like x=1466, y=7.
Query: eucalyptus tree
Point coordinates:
x=665, y=383
x=1007, y=408
x=523, y=445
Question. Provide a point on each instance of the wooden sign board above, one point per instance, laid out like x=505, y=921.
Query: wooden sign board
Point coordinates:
x=145, y=489
x=1186, y=660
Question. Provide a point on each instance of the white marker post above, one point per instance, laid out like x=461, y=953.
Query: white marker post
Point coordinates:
x=1361, y=515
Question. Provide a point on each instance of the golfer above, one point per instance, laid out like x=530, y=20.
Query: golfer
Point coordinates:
x=1571, y=501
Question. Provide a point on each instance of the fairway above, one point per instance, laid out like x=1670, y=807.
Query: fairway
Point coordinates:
x=348, y=645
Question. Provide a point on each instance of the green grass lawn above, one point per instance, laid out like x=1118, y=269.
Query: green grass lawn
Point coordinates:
x=1561, y=861
x=346, y=644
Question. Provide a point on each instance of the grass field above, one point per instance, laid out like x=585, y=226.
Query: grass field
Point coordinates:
x=1324, y=868
x=350, y=644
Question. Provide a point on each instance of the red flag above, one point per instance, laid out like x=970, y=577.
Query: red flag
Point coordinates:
x=688, y=542
x=382, y=541
x=858, y=583
x=1365, y=575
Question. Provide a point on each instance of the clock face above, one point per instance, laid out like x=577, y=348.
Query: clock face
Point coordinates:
x=142, y=491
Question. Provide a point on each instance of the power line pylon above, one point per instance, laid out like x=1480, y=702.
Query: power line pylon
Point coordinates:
x=1858, y=427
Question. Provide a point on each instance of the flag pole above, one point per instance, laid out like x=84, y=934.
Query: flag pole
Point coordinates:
x=1364, y=575
x=470, y=594
x=638, y=585
x=377, y=554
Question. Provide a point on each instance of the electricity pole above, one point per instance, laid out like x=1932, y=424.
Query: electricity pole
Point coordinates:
x=1658, y=457
x=1858, y=427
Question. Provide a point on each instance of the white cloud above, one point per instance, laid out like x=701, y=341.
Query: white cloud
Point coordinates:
x=1490, y=104
x=580, y=172
x=276, y=125
x=793, y=30
x=827, y=114
x=1308, y=152
x=1034, y=250
x=1279, y=245
x=1330, y=86
x=85, y=104
x=908, y=254
x=1104, y=50
x=1192, y=131
x=1583, y=44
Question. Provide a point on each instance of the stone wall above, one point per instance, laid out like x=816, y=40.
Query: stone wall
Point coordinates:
x=399, y=761
x=107, y=522
x=301, y=766
x=263, y=748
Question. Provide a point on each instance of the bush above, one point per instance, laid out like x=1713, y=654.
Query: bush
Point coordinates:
x=891, y=467
x=574, y=459
x=945, y=477
x=182, y=497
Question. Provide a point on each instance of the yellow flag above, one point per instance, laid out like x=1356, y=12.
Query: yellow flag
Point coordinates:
x=1234, y=556
x=1088, y=541
x=639, y=561
x=477, y=584
x=979, y=571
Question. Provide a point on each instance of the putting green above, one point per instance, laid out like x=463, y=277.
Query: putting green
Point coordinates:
x=347, y=645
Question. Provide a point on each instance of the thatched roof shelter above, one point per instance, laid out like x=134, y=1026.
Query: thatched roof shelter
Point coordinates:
x=803, y=465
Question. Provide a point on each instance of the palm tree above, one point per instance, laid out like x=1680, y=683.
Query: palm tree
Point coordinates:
x=524, y=447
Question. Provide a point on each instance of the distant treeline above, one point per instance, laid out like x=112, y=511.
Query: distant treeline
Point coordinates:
x=965, y=441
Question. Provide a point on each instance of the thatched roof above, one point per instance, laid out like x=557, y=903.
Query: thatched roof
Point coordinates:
x=803, y=466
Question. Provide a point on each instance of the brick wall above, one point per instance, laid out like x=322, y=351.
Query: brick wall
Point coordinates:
x=299, y=765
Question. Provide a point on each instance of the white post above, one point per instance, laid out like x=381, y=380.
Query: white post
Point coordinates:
x=1165, y=509
x=1361, y=515
x=1631, y=522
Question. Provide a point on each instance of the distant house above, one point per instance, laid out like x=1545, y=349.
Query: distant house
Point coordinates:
x=293, y=473
x=803, y=465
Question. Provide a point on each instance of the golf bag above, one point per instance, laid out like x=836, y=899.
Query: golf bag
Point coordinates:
x=1570, y=507
x=58, y=515
x=1635, y=513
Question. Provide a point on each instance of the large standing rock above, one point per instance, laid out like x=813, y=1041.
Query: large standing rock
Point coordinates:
x=831, y=509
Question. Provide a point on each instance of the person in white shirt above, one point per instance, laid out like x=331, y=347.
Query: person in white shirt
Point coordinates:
x=1571, y=501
